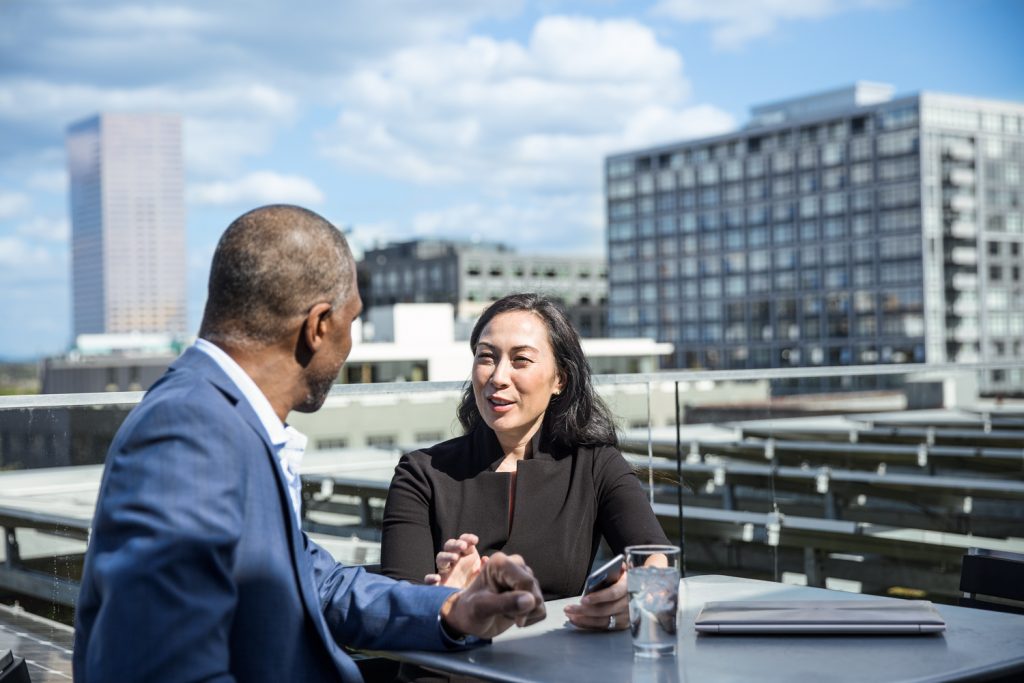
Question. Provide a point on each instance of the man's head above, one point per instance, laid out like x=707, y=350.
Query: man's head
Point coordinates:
x=283, y=281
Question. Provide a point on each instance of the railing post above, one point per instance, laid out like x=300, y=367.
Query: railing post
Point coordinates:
x=12, y=552
x=650, y=445
x=679, y=479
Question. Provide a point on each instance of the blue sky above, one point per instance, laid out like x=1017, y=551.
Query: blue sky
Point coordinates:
x=396, y=119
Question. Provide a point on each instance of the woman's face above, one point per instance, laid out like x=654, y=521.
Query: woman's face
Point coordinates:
x=514, y=374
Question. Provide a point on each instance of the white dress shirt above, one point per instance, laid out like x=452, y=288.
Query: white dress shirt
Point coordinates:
x=289, y=443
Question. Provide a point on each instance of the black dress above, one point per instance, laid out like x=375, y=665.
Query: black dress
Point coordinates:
x=564, y=504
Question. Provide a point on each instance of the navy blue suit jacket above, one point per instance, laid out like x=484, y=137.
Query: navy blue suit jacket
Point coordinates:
x=196, y=569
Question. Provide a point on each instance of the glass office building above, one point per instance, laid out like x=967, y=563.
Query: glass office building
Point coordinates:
x=846, y=227
x=472, y=275
x=127, y=224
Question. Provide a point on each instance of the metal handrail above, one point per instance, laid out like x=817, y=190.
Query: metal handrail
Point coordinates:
x=665, y=376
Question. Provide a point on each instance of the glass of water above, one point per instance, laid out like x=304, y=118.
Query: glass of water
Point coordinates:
x=652, y=579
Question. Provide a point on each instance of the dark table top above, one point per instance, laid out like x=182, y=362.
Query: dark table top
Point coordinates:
x=976, y=644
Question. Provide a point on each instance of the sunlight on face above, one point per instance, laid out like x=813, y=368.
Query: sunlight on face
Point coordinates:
x=514, y=375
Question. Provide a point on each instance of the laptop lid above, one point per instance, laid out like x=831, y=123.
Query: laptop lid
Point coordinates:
x=820, y=616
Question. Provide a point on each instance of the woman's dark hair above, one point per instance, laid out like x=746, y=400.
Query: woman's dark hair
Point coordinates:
x=575, y=417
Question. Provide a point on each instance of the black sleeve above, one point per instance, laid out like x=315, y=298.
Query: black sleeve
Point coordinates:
x=407, y=547
x=624, y=513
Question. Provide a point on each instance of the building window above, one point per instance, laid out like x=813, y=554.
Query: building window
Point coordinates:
x=835, y=253
x=863, y=250
x=862, y=200
x=735, y=286
x=832, y=153
x=381, y=440
x=808, y=182
x=834, y=228
x=759, y=261
x=860, y=174
x=808, y=156
x=782, y=162
x=709, y=174
x=833, y=178
x=757, y=214
x=860, y=147
x=331, y=443
x=755, y=167
x=902, y=142
x=808, y=207
x=620, y=168
x=732, y=170
x=783, y=233
x=835, y=203
x=782, y=187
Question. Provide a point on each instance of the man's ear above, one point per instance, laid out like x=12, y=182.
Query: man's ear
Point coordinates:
x=314, y=328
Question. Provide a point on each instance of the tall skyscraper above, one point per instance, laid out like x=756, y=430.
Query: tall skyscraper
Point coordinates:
x=845, y=227
x=127, y=224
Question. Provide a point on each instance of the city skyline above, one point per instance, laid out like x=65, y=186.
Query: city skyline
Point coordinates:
x=463, y=119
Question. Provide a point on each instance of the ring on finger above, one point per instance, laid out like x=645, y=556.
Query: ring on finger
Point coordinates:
x=611, y=623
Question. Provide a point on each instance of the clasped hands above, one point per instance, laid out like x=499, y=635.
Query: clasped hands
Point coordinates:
x=459, y=564
x=496, y=594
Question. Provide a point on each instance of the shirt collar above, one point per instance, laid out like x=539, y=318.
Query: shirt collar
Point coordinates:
x=261, y=406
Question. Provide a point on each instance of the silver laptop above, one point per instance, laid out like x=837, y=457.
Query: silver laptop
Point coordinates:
x=820, y=616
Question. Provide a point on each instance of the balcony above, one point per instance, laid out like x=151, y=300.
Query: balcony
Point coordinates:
x=961, y=177
x=962, y=203
x=963, y=282
x=963, y=333
x=877, y=483
x=958, y=151
x=963, y=256
x=962, y=229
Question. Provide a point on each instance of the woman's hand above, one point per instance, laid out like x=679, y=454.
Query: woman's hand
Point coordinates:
x=596, y=609
x=458, y=563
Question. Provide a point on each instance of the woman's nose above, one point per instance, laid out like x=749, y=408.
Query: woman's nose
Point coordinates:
x=500, y=376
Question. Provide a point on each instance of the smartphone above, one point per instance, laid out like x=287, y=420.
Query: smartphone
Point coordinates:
x=605, y=575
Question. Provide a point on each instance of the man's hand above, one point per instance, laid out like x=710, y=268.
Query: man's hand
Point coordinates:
x=502, y=594
x=458, y=564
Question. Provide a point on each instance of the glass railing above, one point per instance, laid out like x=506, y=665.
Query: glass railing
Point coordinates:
x=875, y=479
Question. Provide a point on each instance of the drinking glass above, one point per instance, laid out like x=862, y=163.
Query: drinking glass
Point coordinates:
x=652, y=579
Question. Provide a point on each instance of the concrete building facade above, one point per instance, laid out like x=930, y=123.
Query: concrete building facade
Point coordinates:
x=846, y=227
x=469, y=276
x=127, y=224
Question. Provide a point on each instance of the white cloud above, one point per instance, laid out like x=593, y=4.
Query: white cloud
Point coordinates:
x=117, y=19
x=260, y=187
x=553, y=223
x=363, y=236
x=45, y=229
x=221, y=146
x=502, y=115
x=543, y=224
x=53, y=180
x=13, y=204
x=33, y=100
x=21, y=256
x=737, y=22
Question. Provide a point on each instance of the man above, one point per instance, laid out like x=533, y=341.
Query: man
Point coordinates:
x=197, y=569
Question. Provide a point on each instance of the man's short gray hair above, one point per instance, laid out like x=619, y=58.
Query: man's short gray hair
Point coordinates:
x=271, y=266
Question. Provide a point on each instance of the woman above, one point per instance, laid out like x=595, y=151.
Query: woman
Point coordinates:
x=537, y=472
